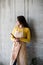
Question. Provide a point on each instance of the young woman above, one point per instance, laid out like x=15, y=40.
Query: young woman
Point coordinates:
x=20, y=36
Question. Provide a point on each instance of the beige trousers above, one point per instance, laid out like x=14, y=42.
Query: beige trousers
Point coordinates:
x=22, y=56
x=19, y=52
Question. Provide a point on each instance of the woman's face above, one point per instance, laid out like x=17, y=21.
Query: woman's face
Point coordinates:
x=18, y=24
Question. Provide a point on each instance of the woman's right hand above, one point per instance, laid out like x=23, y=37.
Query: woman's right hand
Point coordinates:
x=16, y=40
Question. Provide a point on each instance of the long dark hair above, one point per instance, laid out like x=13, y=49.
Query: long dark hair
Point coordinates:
x=22, y=21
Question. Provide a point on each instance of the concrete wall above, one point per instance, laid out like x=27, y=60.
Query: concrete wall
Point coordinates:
x=9, y=9
x=32, y=10
x=36, y=16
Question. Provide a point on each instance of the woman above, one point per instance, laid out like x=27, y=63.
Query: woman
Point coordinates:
x=20, y=36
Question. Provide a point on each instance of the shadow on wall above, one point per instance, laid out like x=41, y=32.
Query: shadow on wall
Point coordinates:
x=31, y=48
x=36, y=61
x=1, y=63
x=33, y=31
x=33, y=36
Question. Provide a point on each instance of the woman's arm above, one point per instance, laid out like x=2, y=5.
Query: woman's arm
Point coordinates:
x=13, y=38
x=12, y=34
x=28, y=38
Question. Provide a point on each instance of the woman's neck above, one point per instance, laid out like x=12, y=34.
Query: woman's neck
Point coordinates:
x=20, y=26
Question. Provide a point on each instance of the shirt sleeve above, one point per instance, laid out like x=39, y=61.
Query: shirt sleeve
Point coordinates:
x=11, y=37
x=28, y=38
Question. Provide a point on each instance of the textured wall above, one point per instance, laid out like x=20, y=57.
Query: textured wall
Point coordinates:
x=9, y=9
x=36, y=16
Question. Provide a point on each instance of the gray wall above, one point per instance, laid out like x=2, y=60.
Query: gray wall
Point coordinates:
x=9, y=9
x=36, y=16
x=32, y=10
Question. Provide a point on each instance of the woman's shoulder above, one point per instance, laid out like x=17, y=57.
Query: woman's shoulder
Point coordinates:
x=15, y=27
x=26, y=28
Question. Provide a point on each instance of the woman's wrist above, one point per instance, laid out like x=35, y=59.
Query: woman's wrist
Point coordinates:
x=16, y=40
